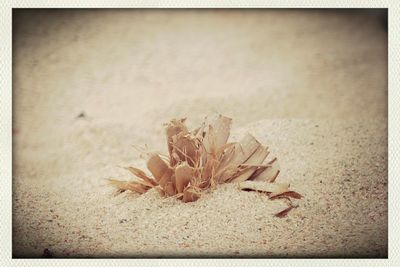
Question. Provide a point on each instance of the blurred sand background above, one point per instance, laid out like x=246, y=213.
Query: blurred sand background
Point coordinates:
x=310, y=84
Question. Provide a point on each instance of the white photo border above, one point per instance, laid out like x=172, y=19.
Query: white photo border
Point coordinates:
x=6, y=7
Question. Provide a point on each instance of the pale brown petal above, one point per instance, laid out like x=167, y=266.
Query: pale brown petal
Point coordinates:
x=255, y=159
x=173, y=128
x=167, y=181
x=245, y=148
x=190, y=195
x=208, y=172
x=183, y=174
x=157, y=166
x=235, y=156
x=268, y=174
x=186, y=147
x=160, y=190
x=217, y=133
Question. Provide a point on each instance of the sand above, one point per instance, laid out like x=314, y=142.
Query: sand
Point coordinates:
x=311, y=85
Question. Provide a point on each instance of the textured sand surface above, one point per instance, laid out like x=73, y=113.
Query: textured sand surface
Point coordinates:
x=311, y=85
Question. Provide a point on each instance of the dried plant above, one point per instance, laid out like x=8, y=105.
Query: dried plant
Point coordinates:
x=203, y=158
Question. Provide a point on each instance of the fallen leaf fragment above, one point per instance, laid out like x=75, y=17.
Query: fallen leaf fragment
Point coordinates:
x=273, y=190
x=284, y=212
x=264, y=187
x=288, y=194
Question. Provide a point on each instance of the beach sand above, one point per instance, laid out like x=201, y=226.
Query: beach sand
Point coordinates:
x=87, y=85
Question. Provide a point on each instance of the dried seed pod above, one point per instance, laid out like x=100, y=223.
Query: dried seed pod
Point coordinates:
x=203, y=158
